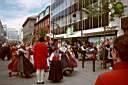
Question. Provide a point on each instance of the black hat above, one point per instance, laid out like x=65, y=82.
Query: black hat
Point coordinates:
x=41, y=39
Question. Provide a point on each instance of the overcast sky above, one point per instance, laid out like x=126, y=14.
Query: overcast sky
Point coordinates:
x=13, y=13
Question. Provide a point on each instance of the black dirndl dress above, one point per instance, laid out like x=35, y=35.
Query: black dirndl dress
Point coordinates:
x=55, y=73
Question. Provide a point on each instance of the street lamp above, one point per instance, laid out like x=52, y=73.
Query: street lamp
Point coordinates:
x=53, y=30
x=81, y=17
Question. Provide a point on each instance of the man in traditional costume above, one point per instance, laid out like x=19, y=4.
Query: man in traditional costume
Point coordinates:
x=40, y=59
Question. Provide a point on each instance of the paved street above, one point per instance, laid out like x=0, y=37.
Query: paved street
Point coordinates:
x=80, y=77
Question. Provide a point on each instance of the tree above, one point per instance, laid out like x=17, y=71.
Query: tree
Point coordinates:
x=42, y=32
x=119, y=8
x=100, y=7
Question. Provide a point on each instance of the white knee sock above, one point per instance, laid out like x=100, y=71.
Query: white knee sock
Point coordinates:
x=42, y=75
x=38, y=74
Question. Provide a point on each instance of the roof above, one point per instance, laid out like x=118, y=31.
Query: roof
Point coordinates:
x=29, y=18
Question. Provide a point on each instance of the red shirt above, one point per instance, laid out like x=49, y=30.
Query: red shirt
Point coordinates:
x=118, y=76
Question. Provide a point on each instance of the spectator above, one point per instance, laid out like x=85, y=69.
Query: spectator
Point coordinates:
x=119, y=74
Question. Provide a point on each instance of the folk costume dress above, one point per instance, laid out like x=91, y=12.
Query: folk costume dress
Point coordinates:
x=55, y=73
x=13, y=66
x=26, y=67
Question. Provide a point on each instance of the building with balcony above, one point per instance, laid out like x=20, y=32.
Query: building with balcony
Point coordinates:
x=28, y=29
x=42, y=23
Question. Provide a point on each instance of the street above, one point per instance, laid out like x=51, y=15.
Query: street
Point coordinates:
x=81, y=76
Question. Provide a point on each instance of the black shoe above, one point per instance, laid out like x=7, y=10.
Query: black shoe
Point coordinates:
x=40, y=83
x=27, y=76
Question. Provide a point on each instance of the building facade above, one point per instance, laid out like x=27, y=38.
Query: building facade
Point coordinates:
x=12, y=35
x=75, y=19
x=42, y=23
x=2, y=33
x=86, y=18
x=124, y=24
x=28, y=29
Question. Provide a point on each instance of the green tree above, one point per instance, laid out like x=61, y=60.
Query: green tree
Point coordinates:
x=42, y=32
x=100, y=7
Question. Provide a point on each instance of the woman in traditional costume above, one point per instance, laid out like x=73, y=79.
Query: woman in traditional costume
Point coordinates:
x=14, y=64
x=55, y=73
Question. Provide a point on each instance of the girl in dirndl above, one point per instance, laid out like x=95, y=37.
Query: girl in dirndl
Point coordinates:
x=71, y=61
x=55, y=73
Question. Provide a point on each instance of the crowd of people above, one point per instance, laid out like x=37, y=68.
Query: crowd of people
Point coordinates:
x=118, y=76
x=24, y=60
x=60, y=59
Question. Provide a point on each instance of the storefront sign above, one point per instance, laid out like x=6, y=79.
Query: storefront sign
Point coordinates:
x=108, y=32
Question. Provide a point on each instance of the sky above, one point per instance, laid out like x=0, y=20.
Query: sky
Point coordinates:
x=13, y=13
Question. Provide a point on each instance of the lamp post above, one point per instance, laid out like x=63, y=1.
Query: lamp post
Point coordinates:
x=53, y=29
x=81, y=25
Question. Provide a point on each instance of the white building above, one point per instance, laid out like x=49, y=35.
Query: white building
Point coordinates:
x=12, y=34
x=2, y=33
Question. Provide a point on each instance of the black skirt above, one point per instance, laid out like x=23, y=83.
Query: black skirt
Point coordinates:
x=28, y=66
x=55, y=73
